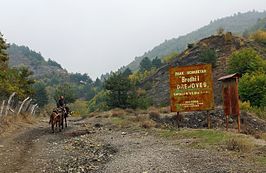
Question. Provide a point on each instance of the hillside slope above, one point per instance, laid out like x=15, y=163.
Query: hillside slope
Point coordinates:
x=236, y=24
x=23, y=56
x=52, y=76
x=157, y=85
x=260, y=25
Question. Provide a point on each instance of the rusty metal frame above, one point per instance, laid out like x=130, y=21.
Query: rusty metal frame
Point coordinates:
x=231, y=97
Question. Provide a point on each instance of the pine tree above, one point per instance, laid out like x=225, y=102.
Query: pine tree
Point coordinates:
x=117, y=87
x=127, y=72
x=98, y=83
x=3, y=53
x=40, y=95
x=156, y=62
x=208, y=56
x=145, y=64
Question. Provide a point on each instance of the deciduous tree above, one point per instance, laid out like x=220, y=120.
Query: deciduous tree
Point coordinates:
x=245, y=61
x=252, y=88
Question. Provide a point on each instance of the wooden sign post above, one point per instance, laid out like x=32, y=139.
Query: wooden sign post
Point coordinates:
x=191, y=89
x=230, y=97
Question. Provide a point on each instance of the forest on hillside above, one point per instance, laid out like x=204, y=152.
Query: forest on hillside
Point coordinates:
x=237, y=24
x=27, y=73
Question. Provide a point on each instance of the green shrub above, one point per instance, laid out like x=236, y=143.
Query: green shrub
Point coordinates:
x=239, y=145
x=170, y=57
x=258, y=111
x=259, y=36
x=208, y=56
x=228, y=37
x=245, y=61
x=138, y=99
x=137, y=77
x=245, y=105
x=79, y=107
x=252, y=88
x=98, y=103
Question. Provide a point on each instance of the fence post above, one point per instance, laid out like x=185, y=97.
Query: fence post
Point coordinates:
x=8, y=102
x=2, y=108
x=33, y=114
x=32, y=109
x=27, y=105
x=21, y=106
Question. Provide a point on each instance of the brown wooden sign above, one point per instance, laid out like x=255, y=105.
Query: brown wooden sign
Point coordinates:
x=191, y=88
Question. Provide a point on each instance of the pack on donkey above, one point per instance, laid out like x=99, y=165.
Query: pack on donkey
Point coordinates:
x=59, y=114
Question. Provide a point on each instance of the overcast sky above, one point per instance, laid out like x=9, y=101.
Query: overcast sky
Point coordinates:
x=97, y=36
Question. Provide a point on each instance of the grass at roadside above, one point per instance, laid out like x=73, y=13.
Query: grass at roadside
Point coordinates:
x=126, y=122
x=231, y=144
x=119, y=121
x=197, y=138
x=11, y=122
x=261, y=159
x=127, y=118
x=259, y=112
x=206, y=138
x=263, y=136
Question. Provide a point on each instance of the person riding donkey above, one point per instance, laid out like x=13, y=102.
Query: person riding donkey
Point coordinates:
x=61, y=104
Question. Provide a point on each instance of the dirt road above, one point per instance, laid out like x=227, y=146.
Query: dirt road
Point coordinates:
x=23, y=151
x=94, y=145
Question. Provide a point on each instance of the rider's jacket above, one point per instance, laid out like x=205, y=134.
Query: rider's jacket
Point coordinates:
x=61, y=103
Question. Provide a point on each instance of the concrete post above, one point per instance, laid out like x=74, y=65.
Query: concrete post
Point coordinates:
x=8, y=102
x=22, y=104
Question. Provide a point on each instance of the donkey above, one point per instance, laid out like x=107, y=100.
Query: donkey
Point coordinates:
x=55, y=120
x=65, y=114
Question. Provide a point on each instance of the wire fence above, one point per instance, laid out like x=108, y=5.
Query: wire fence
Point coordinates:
x=15, y=107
